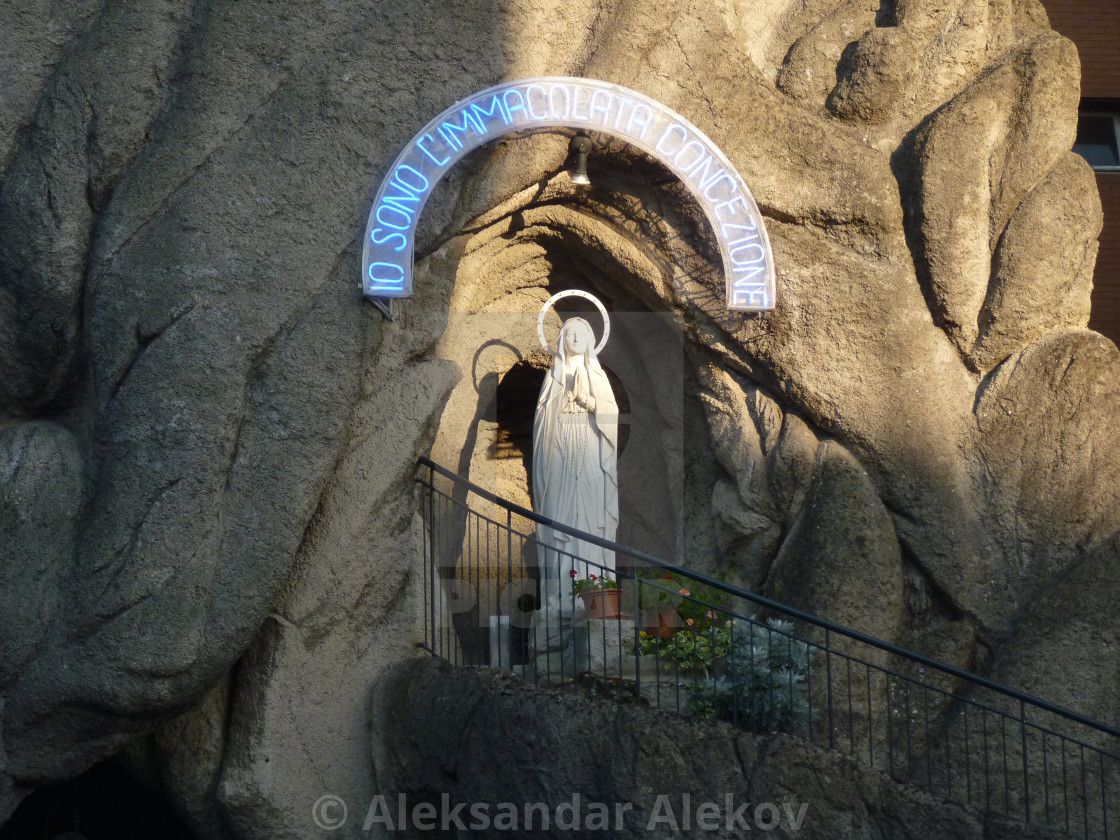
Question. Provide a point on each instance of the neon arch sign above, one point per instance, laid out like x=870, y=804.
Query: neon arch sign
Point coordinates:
x=569, y=102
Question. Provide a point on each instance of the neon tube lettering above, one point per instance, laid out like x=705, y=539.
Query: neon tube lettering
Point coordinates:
x=427, y=138
x=708, y=177
x=750, y=294
x=467, y=123
x=387, y=238
x=571, y=103
x=512, y=109
x=752, y=232
x=730, y=205
x=661, y=143
x=753, y=246
x=529, y=102
x=552, y=102
x=415, y=188
x=604, y=108
x=576, y=101
x=387, y=208
x=691, y=164
x=710, y=185
x=386, y=283
x=477, y=111
x=408, y=194
x=401, y=203
x=623, y=102
x=644, y=123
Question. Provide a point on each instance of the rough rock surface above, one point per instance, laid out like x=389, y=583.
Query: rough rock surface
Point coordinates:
x=515, y=744
x=208, y=440
x=841, y=559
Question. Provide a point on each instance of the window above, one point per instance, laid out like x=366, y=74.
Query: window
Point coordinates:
x=1097, y=133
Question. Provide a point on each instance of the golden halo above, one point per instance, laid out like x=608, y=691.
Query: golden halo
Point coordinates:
x=574, y=293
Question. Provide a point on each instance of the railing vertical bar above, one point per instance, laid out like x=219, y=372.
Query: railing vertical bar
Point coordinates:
x=1104, y=796
x=534, y=593
x=440, y=549
x=640, y=619
x=789, y=656
x=481, y=544
x=1045, y=780
x=870, y=722
x=429, y=591
x=449, y=553
x=733, y=671
x=890, y=724
x=809, y=690
x=948, y=756
x=1084, y=793
x=515, y=605
x=546, y=602
x=468, y=565
x=828, y=687
x=493, y=603
x=472, y=566
x=677, y=675
x=851, y=715
x=468, y=568
x=437, y=571
x=603, y=630
x=967, y=759
x=639, y=599
x=745, y=677
x=909, y=738
x=927, y=750
x=987, y=772
x=445, y=546
x=618, y=625
x=1065, y=784
x=1026, y=770
x=1007, y=774
x=657, y=671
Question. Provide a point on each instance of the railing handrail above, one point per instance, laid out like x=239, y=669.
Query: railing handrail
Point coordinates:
x=769, y=603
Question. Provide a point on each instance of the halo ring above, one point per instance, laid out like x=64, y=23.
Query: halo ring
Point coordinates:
x=574, y=293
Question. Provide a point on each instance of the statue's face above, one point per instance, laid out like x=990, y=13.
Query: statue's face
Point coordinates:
x=577, y=338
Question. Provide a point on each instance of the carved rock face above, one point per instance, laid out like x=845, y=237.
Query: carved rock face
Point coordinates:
x=210, y=439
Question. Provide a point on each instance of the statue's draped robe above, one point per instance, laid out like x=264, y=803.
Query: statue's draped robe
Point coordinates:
x=575, y=475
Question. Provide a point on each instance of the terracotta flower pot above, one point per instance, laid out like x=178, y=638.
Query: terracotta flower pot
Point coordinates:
x=602, y=603
x=665, y=625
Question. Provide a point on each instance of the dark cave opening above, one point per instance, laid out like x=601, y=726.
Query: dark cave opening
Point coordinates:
x=104, y=803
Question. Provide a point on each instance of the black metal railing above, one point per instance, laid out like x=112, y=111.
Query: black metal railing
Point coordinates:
x=683, y=641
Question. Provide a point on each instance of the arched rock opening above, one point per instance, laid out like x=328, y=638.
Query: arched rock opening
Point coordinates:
x=624, y=241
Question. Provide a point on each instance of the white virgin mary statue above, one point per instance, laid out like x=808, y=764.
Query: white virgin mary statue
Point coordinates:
x=575, y=472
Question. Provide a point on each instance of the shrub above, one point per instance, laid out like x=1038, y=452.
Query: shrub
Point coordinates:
x=764, y=686
x=690, y=648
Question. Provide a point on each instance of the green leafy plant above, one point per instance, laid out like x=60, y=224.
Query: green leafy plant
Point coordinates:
x=764, y=685
x=692, y=647
x=591, y=582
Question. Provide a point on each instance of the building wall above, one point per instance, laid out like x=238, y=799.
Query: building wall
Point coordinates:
x=1105, y=317
x=1094, y=26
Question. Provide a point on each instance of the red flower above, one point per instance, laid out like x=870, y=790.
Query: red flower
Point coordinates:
x=684, y=592
x=666, y=577
x=593, y=577
x=572, y=573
